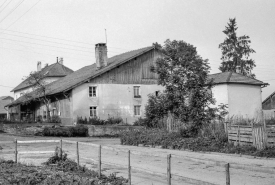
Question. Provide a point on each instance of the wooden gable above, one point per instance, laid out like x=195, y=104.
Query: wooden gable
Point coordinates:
x=135, y=71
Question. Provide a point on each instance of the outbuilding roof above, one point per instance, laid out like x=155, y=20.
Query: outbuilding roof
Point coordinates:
x=231, y=77
x=53, y=70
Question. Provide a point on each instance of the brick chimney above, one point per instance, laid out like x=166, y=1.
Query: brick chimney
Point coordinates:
x=39, y=66
x=101, y=55
x=60, y=60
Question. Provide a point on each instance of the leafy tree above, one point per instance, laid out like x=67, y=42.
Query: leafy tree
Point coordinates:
x=236, y=51
x=39, y=90
x=183, y=73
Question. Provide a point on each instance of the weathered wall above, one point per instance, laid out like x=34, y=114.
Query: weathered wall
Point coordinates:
x=101, y=130
x=114, y=100
x=245, y=100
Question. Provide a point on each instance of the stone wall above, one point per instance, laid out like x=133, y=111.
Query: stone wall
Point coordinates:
x=24, y=129
x=109, y=130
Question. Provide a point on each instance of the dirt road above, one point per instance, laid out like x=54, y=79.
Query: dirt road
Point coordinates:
x=150, y=164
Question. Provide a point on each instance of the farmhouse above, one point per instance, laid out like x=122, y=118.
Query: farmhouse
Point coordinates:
x=112, y=87
x=119, y=87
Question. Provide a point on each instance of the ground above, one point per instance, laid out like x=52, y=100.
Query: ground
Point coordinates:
x=150, y=164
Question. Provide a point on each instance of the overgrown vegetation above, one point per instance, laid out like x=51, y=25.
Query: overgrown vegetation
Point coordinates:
x=58, y=170
x=73, y=131
x=211, y=138
x=98, y=121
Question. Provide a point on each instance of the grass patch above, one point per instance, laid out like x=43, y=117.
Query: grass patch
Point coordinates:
x=57, y=170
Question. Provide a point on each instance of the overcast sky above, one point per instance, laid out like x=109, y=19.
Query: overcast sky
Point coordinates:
x=41, y=30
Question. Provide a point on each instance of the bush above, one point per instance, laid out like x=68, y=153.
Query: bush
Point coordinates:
x=114, y=121
x=76, y=131
x=55, y=119
x=96, y=121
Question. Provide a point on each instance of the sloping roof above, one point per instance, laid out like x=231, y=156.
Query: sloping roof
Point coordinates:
x=53, y=70
x=270, y=96
x=5, y=97
x=84, y=74
x=3, y=103
x=231, y=77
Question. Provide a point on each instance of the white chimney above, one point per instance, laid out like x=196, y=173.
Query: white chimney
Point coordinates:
x=101, y=55
x=39, y=66
x=60, y=60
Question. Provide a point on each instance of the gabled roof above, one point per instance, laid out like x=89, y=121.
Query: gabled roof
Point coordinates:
x=88, y=72
x=54, y=70
x=5, y=97
x=231, y=77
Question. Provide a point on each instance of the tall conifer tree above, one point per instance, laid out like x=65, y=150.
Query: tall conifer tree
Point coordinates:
x=236, y=51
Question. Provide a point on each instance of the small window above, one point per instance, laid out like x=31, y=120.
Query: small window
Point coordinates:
x=157, y=93
x=92, y=91
x=93, y=112
x=137, y=110
x=137, y=91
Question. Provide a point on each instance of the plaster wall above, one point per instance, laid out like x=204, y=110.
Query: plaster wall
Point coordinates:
x=220, y=93
x=114, y=100
x=244, y=100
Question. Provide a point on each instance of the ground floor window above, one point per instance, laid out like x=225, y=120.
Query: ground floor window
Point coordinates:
x=93, y=111
x=137, y=110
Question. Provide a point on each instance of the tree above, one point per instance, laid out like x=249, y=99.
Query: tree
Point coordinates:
x=183, y=73
x=39, y=90
x=236, y=51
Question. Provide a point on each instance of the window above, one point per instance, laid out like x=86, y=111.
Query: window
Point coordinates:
x=157, y=93
x=137, y=110
x=92, y=91
x=137, y=91
x=93, y=112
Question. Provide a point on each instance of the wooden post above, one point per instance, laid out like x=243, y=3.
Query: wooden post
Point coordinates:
x=227, y=174
x=129, y=167
x=61, y=148
x=77, y=154
x=239, y=135
x=99, y=161
x=169, y=169
x=16, y=152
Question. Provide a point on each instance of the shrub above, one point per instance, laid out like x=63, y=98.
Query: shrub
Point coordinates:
x=141, y=122
x=96, y=121
x=39, y=119
x=114, y=121
x=55, y=119
x=76, y=131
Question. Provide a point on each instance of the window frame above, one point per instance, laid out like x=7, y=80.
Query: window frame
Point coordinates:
x=96, y=94
x=94, y=116
x=135, y=106
x=139, y=91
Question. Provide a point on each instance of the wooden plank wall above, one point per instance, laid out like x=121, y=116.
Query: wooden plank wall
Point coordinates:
x=246, y=135
x=136, y=71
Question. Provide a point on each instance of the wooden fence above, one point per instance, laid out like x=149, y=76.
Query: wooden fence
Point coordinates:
x=258, y=136
x=99, y=160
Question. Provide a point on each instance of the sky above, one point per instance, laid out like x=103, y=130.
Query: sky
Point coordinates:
x=41, y=30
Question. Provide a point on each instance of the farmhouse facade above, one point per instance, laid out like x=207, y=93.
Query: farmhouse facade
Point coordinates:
x=119, y=87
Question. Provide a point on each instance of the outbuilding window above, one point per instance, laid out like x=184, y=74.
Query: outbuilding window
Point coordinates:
x=93, y=112
x=92, y=91
x=137, y=110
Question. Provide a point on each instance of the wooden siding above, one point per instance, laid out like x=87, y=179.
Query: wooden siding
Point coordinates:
x=136, y=71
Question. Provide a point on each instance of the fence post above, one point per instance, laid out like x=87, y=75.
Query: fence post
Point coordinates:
x=129, y=167
x=99, y=161
x=227, y=174
x=77, y=154
x=169, y=169
x=16, y=152
x=61, y=148
x=239, y=135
